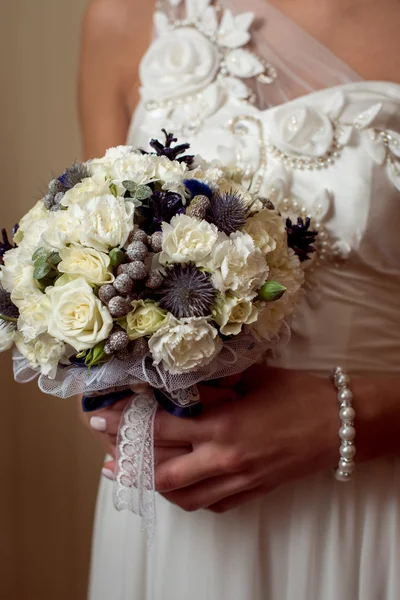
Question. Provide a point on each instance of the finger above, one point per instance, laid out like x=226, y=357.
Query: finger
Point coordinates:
x=168, y=428
x=108, y=419
x=160, y=455
x=210, y=492
x=185, y=471
x=215, y=396
x=234, y=501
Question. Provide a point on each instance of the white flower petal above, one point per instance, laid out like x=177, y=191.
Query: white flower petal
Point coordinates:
x=343, y=134
x=374, y=145
x=394, y=142
x=278, y=184
x=161, y=23
x=236, y=87
x=195, y=8
x=241, y=63
x=394, y=173
x=233, y=31
x=335, y=105
x=365, y=118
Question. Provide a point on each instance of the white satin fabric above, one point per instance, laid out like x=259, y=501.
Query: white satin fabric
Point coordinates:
x=316, y=539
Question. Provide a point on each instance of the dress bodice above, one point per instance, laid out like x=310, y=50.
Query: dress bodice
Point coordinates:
x=331, y=152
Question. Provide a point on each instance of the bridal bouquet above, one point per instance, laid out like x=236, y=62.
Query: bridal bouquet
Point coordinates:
x=147, y=268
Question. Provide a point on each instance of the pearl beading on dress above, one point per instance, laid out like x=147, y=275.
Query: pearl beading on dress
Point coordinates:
x=347, y=432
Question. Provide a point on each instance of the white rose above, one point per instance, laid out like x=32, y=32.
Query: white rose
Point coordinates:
x=62, y=229
x=180, y=62
x=6, y=337
x=102, y=166
x=37, y=213
x=76, y=316
x=140, y=168
x=45, y=353
x=105, y=222
x=145, y=319
x=301, y=130
x=185, y=345
x=267, y=230
x=238, y=266
x=87, y=189
x=187, y=240
x=94, y=266
x=232, y=313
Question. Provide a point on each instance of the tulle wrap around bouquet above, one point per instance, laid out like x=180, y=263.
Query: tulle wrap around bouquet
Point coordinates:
x=148, y=273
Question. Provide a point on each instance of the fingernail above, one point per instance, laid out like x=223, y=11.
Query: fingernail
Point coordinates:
x=98, y=423
x=108, y=474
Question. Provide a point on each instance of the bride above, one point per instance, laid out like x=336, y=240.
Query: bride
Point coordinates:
x=257, y=498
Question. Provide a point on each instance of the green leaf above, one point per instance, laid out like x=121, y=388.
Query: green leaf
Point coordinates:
x=271, y=291
x=143, y=192
x=41, y=270
x=113, y=189
x=117, y=257
x=40, y=253
x=96, y=355
x=131, y=186
x=54, y=259
x=8, y=319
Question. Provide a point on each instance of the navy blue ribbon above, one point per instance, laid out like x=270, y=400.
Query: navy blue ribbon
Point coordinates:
x=92, y=403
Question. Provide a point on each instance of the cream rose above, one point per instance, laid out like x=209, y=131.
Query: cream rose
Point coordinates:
x=91, y=264
x=37, y=213
x=238, y=266
x=187, y=240
x=7, y=336
x=105, y=222
x=232, y=313
x=145, y=319
x=76, y=316
x=45, y=353
x=180, y=62
x=267, y=230
x=186, y=345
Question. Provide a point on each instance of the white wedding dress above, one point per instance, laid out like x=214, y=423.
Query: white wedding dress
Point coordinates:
x=316, y=140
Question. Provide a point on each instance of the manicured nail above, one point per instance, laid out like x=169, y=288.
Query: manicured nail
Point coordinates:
x=108, y=474
x=98, y=423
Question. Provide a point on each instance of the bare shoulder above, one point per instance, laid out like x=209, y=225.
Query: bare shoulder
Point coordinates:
x=116, y=25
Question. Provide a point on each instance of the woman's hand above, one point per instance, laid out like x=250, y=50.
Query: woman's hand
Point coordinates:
x=284, y=427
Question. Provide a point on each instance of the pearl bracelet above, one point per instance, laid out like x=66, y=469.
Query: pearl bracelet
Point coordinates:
x=347, y=432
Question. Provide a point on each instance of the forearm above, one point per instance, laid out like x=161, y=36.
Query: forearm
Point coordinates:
x=377, y=405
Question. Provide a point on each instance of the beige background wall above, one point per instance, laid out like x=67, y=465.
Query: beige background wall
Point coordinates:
x=49, y=465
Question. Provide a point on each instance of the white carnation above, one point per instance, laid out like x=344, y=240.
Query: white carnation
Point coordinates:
x=170, y=173
x=6, y=337
x=91, y=264
x=87, y=189
x=62, y=229
x=37, y=213
x=102, y=166
x=238, y=266
x=140, y=168
x=186, y=239
x=232, y=313
x=105, y=222
x=15, y=261
x=77, y=316
x=267, y=230
x=186, y=345
x=45, y=353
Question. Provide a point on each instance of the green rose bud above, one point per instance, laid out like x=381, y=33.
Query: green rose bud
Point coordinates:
x=271, y=291
x=117, y=257
x=145, y=319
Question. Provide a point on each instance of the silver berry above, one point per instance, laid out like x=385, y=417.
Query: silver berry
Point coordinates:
x=123, y=354
x=154, y=280
x=198, y=207
x=137, y=251
x=119, y=307
x=123, y=284
x=106, y=293
x=122, y=268
x=136, y=270
x=138, y=235
x=118, y=340
x=156, y=241
x=139, y=348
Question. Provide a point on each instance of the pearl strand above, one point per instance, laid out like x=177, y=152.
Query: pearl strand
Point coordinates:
x=347, y=432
